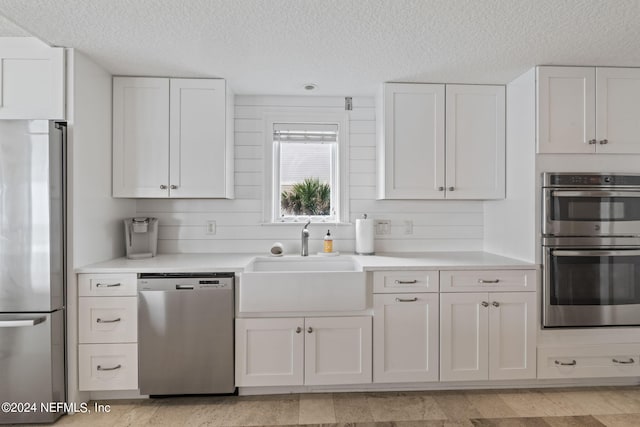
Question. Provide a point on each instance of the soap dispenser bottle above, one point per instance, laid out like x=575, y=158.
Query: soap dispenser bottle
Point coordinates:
x=328, y=243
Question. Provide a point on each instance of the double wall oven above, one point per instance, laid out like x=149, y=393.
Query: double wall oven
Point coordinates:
x=591, y=249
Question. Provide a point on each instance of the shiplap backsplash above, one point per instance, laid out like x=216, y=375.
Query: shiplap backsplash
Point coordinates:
x=437, y=225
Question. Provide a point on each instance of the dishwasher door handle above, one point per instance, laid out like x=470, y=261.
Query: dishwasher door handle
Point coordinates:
x=180, y=287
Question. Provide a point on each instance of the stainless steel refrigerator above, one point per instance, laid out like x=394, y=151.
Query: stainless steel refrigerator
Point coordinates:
x=32, y=273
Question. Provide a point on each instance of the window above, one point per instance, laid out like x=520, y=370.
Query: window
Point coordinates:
x=306, y=166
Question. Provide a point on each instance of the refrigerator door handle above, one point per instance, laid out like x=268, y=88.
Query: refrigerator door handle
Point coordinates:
x=21, y=322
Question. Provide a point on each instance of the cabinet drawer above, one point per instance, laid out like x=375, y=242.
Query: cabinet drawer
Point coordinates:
x=108, y=367
x=488, y=280
x=107, y=320
x=96, y=285
x=405, y=281
x=612, y=360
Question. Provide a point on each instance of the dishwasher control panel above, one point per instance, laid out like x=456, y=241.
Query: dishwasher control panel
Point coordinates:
x=185, y=281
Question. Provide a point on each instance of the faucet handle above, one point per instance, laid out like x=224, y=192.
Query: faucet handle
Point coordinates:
x=307, y=224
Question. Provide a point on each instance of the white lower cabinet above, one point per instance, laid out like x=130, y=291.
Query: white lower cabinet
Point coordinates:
x=107, y=332
x=589, y=361
x=487, y=336
x=405, y=337
x=303, y=351
x=107, y=367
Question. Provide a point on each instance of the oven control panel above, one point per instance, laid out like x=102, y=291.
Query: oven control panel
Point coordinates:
x=590, y=180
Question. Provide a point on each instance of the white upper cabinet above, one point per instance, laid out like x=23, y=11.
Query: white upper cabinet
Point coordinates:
x=172, y=138
x=200, y=152
x=618, y=110
x=140, y=137
x=32, y=79
x=588, y=110
x=566, y=109
x=427, y=151
x=411, y=150
x=475, y=142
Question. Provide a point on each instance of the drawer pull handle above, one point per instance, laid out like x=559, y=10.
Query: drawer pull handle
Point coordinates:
x=572, y=363
x=624, y=362
x=406, y=299
x=406, y=282
x=99, y=320
x=108, y=285
x=488, y=281
x=100, y=368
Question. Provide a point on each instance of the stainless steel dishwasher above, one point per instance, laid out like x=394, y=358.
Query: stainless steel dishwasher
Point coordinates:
x=185, y=333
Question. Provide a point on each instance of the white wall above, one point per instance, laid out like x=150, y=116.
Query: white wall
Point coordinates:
x=98, y=233
x=95, y=230
x=437, y=225
x=509, y=225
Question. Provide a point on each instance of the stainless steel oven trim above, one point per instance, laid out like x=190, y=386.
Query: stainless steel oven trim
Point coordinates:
x=594, y=193
x=599, y=242
x=584, y=315
x=595, y=253
x=583, y=228
x=546, y=178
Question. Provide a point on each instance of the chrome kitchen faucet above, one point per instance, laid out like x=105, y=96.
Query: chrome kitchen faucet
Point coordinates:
x=305, y=240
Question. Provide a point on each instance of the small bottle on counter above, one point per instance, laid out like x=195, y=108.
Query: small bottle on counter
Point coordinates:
x=328, y=243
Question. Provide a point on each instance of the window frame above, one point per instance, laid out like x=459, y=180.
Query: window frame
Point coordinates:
x=271, y=210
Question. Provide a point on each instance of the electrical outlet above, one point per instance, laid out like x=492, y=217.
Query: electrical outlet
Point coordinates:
x=383, y=226
x=408, y=226
x=210, y=227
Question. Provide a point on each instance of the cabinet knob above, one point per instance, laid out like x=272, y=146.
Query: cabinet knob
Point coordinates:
x=451, y=188
x=604, y=141
x=163, y=187
x=173, y=187
x=310, y=329
x=495, y=304
x=592, y=141
x=485, y=304
x=440, y=188
x=298, y=330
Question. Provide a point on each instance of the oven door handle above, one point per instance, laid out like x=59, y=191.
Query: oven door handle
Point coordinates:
x=595, y=253
x=595, y=193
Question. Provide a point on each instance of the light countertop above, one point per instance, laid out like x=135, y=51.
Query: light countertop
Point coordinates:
x=211, y=262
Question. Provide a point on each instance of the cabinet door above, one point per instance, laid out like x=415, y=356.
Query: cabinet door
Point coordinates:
x=464, y=335
x=198, y=139
x=566, y=109
x=618, y=110
x=405, y=338
x=140, y=137
x=107, y=320
x=411, y=157
x=107, y=367
x=337, y=350
x=32, y=81
x=269, y=352
x=512, y=335
x=475, y=142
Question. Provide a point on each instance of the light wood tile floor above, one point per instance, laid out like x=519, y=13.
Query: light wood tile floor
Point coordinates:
x=608, y=406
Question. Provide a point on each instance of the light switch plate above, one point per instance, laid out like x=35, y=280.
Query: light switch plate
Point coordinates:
x=383, y=226
x=210, y=227
x=408, y=226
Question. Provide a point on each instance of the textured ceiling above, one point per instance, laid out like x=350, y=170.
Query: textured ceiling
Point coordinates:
x=347, y=47
x=9, y=29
